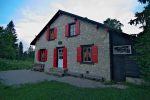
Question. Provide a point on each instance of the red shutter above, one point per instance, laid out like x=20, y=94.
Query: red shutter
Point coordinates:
x=55, y=58
x=55, y=32
x=45, y=55
x=48, y=34
x=95, y=54
x=67, y=30
x=38, y=55
x=79, y=54
x=65, y=58
x=77, y=27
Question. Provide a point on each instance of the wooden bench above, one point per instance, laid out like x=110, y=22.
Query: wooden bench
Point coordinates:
x=38, y=67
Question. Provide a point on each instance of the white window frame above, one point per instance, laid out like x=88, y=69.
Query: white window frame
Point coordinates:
x=72, y=29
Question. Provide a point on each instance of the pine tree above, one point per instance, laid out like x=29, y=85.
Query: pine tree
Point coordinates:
x=6, y=45
x=11, y=29
x=31, y=52
x=1, y=28
x=20, y=49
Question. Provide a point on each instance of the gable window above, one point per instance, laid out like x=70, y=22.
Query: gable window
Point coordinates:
x=72, y=29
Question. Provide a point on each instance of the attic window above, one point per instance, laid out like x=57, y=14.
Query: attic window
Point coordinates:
x=122, y=49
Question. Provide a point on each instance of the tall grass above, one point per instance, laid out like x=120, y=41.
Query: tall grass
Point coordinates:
x=7, y=64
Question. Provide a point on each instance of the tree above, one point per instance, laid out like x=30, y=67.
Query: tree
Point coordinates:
x=20, y=49
x=113, y=23
x=30, y=52
x=11, y=29
x=6, y=42
x=142, y=45
x=1, y=28
x=8, y=39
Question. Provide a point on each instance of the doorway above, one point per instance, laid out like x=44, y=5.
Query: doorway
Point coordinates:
x=60, y=57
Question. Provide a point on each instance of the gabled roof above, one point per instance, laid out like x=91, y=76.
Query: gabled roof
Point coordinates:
x=60, y=12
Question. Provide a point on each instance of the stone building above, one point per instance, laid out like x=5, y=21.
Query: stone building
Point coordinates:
x=79, y=46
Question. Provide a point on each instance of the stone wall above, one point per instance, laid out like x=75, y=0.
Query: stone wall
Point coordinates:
x=89, y=34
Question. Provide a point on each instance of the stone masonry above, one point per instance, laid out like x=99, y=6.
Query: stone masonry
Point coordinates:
x=89, y=34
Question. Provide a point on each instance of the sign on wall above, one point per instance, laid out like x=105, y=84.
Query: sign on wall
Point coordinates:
x=122, y=49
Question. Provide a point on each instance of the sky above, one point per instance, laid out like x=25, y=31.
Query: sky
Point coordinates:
x=30, y=16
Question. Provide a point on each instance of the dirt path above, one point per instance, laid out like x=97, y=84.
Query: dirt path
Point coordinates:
x=17, y=77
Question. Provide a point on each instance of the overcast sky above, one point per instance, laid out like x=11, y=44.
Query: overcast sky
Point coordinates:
x=30, y=16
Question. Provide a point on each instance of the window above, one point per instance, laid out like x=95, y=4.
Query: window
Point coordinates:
x=51, y=34
x=72, y=29
x=122, y=49
x=42, y=55
x=87, y=54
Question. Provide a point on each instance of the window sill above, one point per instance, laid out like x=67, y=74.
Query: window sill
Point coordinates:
x=51, y=40
x=72, y=36
x=42, y=61
x=91, y=63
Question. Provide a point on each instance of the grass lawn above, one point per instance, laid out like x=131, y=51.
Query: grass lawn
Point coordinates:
x=6, y=64
x=61, y=91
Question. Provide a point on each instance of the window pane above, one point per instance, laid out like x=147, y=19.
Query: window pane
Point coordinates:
x=42, y=55
x=51, y=34
x=72, y=30
x=87, y=54
x=89, y=59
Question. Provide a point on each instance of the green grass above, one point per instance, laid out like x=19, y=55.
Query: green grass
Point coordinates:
x=6, y=64
x=61, y=91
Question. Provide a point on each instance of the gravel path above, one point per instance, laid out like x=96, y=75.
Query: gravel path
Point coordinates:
x=17, y=77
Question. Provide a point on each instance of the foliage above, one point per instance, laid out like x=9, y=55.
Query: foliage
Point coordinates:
x=20, y=49
x=113, y=23
x=1, y=28
x=6, y=42
x=6, y=64
x=8, y=39
x=11, y=29
x=142, y=48
x=10, y=53
x=142, y=45
x=61, y=91
x=30, y=52
x=143, y=1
